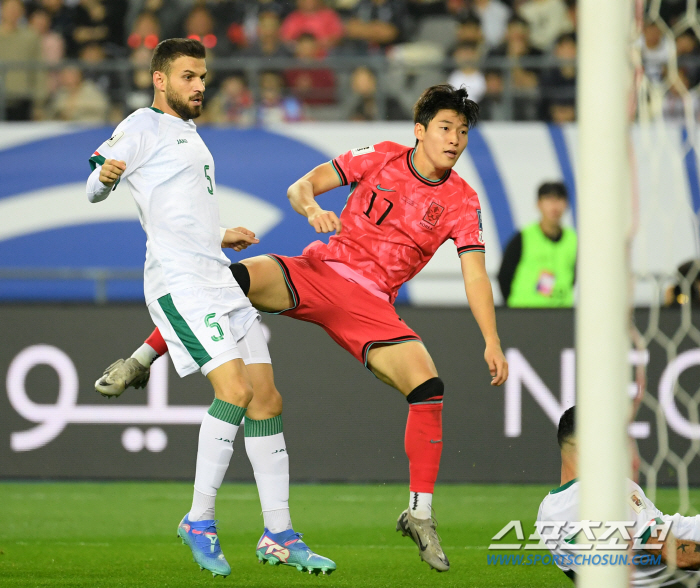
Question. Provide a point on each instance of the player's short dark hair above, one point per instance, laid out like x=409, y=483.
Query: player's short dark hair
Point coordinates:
x=567, y=426
x=445, y=97
x=556, y=189
x=169, y=50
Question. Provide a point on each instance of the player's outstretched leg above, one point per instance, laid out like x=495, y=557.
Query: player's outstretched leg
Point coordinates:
x=267, y=452
x=133, y=371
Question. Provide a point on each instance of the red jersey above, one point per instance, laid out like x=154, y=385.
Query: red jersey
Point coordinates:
x=395, y=219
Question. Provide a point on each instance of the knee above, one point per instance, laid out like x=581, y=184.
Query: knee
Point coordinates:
x=240, y=393
x=431, y=391
x=266, y=403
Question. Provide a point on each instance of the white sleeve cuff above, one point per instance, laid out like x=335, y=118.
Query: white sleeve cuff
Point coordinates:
x=96, y=190
x=222, y=233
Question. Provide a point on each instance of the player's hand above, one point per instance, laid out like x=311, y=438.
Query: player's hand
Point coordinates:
x=111, y=171
x=239, y=239
x=325, y=221
x=498, y=366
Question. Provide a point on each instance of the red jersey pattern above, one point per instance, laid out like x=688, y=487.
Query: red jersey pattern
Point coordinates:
x=395, y=219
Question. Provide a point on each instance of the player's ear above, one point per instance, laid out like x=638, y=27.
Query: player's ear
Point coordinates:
x=419, y=131
x=159, y=80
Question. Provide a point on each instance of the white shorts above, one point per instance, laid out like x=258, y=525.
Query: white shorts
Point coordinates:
x=206, y=327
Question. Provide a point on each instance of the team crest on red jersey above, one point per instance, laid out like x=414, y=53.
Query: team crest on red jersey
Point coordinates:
x=434, y=213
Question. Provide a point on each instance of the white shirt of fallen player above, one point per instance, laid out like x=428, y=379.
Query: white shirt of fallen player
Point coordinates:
x=170, y=173
x=561, y=504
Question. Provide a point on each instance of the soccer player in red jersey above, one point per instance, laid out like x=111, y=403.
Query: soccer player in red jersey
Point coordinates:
x=404, y=204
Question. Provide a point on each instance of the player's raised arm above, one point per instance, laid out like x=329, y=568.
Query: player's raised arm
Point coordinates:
x=480, y=296
x=302, y=196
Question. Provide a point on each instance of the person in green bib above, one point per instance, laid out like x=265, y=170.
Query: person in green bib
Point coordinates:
x=539, y=264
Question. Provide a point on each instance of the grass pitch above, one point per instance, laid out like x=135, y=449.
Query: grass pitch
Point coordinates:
x=111, y=535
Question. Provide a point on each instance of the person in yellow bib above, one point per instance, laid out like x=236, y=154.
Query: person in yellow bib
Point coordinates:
x=539, y=264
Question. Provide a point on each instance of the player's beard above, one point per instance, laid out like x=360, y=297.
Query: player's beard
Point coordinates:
x=182, y=107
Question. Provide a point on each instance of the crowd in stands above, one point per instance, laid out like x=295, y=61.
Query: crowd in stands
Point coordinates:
x=291, y=60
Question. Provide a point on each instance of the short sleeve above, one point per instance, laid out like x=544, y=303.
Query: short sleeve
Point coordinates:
x=468, y=231
x=129, y=143
x=354, y=164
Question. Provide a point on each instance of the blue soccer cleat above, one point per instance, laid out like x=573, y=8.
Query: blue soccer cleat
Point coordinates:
x=288, y=549
x=202, y=539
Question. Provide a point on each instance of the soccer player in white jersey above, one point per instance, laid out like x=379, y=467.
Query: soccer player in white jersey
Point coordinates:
x=207, y=321
x=654, y=527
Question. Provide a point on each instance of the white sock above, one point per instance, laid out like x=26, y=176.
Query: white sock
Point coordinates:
x=268, y=456
x=213, y=456
x=420, y=504
x=145, y=355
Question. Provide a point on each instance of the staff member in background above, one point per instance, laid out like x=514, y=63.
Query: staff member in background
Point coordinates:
x=539, y=263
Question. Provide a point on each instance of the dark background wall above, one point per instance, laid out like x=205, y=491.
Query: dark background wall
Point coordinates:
x=341, y=424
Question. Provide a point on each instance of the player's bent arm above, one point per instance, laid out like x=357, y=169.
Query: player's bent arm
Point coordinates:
x=687, y=553
x=302, y=196
x=480, y=296
x=103, y=179
x=96, y=190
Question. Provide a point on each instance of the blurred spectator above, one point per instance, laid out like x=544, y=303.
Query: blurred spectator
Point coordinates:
x=77, y=99
x=98, y=21
x=24, y=88
x=140, y=94
x=687, y=288
x=469, y=30
x=494, y=17
x=145, y=31
x=61, y=20
x=547, y=19
x=571, y=20
x=200, y=24
x=312, y=17
x=267, y=42
x=523, y=80
x=52, y=45
x=492, y=106
x=275, y=106
x=313, y=86
x=93, y=55
x=688, y=53
x=376, y=24
x=233, y=104
x=466, y=57
x=364, y=102
x=559, y=84
x=656, y=51
x=170, y=14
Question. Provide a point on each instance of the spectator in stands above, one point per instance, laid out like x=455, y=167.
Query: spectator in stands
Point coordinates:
x=247, y=24
x=233, y=104
x=24, y=88
x=687, y=288
x=145, y=31
x=492, y=105
x=539, y=263
x=77, y=99
x=559, y=84
x=140, y=94
x=680, y=102
x=98, y=21
x=109, y=83
x=494, y=16
x=469, y=30
x=524, y=80
x=688, y=53
x=52, y=45
x=547, y=20
x=364, y=104
x=376, y=24
x=312, y=86
x=656, y=51
x=275, y=106
x=170, y=14
x=312, y=18
x=466, y=57
x=61, y=19
x=267, y=42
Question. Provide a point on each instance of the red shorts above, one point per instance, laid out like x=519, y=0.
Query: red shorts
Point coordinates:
x=355, y=318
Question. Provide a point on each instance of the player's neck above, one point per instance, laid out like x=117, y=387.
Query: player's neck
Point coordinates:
x=552, y=230
x=160, y=103
x=424, y=166
x=568, y=470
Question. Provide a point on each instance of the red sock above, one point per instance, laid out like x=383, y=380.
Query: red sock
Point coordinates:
x=156, y=341
x=423, y=444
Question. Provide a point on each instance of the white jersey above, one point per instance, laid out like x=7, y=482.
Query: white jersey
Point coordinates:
x=170, y=173
x=562, y=505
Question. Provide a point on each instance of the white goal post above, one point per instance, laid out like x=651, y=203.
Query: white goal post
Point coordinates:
x=603, y=308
